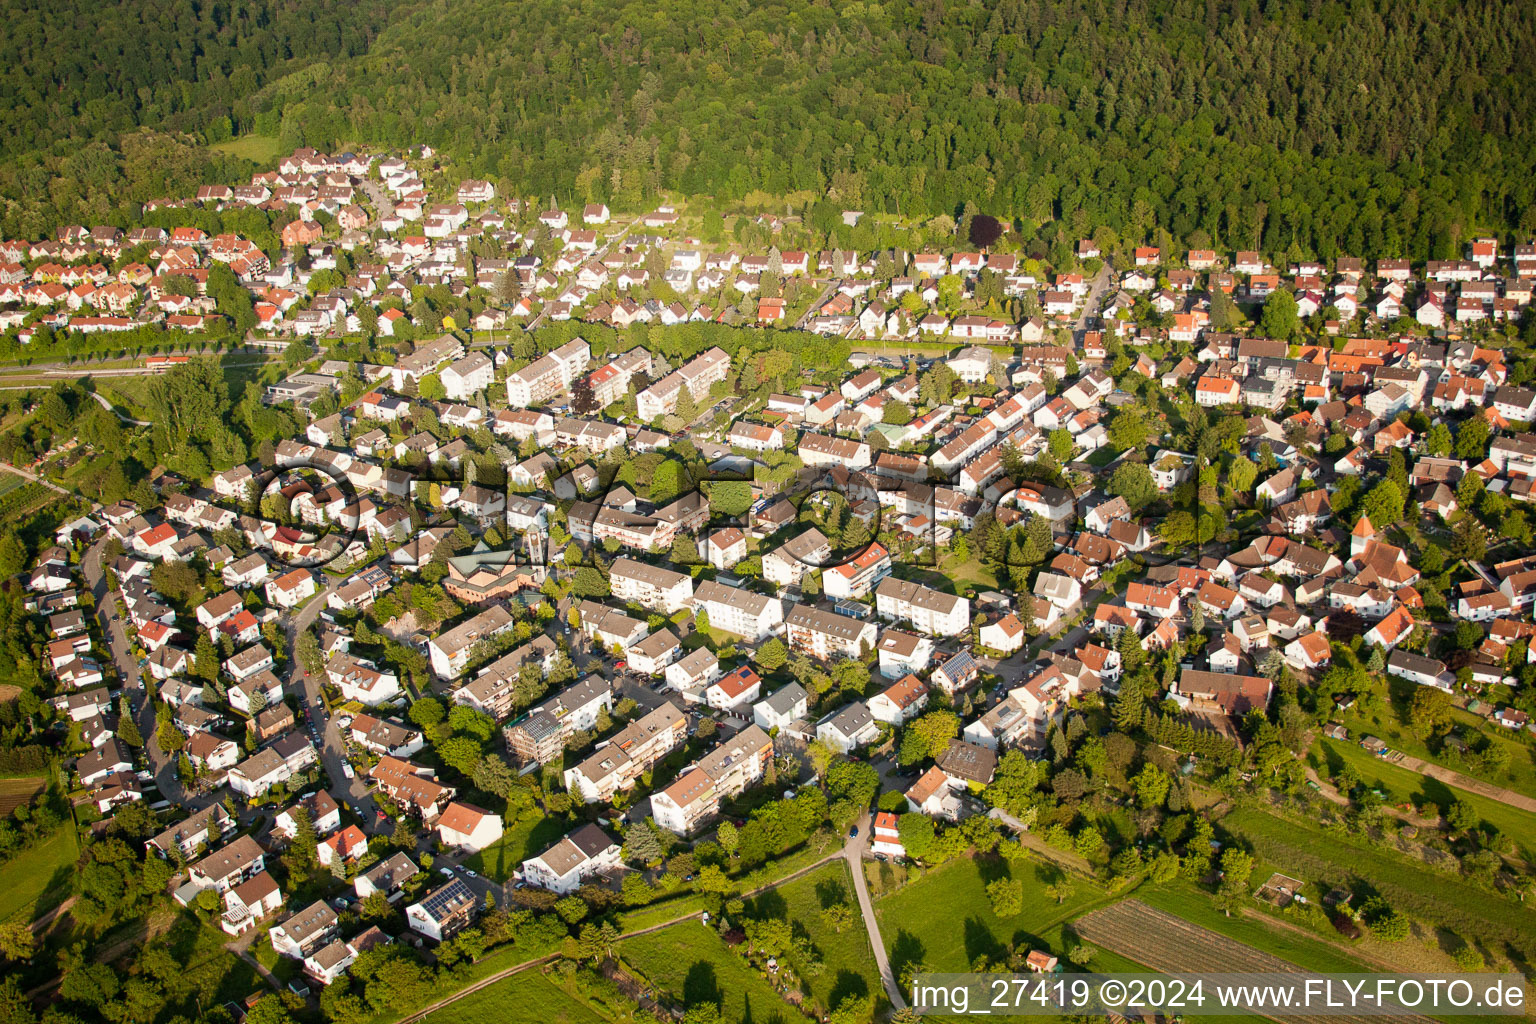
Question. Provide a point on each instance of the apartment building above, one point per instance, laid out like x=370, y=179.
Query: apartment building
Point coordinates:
x=821, y=450
x=582, y=855
x=540, y=735
x=617, y=765
x=824, y=634
x=742, y=612
x=548, y=375
x=694, y=798
x=449, y=652
x=650, y=586
x=698, y=374
x=465, y=377
x=926, y=609
x=855, y=578
x=609, y=626
x=424, y=360
x=493, y=690
x=787, y=564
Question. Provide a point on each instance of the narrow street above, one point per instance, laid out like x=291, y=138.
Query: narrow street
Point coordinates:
x=821, y=298
x=162, y=765
x=349, y=792
x=853, y=853
x=1101, y=282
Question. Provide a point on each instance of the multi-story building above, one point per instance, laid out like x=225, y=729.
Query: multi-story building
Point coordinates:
x=493, y=690
x=824, y=634
x=687, y=804
x=903, y=653
x=548, y=375
x=698, y=374
x=650, y=586
x=742, y=612
x=609, y=626
x=821, y=450
x=582, y=855
x=445, y=911
x=449, y=652
x=631, y=752
x=610, y=382
x=229, y=865
x=855, y=578
x=539, y=736
x=464, y=377
x=787, y=564
x=926, y=609
x=425, y=359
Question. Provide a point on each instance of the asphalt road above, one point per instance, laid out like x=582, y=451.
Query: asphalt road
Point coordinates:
x=162, y=765
x=346, y=792
x=853, y=853
x=1101, y=283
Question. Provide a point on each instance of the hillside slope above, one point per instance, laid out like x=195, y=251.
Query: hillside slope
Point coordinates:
x=1316, y=126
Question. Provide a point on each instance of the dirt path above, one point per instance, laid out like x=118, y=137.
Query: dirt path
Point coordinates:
x=507, y=972
x=1331, y=794
x=853, y=851
x=28, y=474
x=1519, y=801
x=1171, y=945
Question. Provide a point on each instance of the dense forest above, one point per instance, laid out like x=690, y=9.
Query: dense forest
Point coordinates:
x=1319, y=127
x=81, y=79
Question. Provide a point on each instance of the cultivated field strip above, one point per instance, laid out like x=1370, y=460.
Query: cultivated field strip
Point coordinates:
x=1170, y=944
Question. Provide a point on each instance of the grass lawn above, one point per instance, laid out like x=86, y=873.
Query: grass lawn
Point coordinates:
x=1184, y=899
x=15, y=792
x=1101, y=457
x=1412, y=887
x=259, y=149
x=9, y=482
x=1391, y=724
x=38, y=879
x=527, y=997
x=1403, y=786
x=850, y=967
x=945, y=921
x=970, y=573
x=692, y=965
x=526, y=837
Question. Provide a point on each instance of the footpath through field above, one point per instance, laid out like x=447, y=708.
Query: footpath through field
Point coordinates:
x=1169, y=944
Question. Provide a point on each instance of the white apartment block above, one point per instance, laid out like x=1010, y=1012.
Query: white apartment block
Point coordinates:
x=548, y=375
x=926, y=609
x=742, y=612
x=650, y=586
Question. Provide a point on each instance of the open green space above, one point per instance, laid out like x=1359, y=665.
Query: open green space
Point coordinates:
x=944, y=920
x=691, y=964
x=1391, y=724
x=849, y=963
x=1399, y=786
x=1330, y=859
x=38, y=878
x=527, y=997
x=1186, y=900
x=530, y=835
x=260, y=149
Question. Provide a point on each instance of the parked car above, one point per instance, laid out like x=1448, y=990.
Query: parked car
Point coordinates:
x=346, y=769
